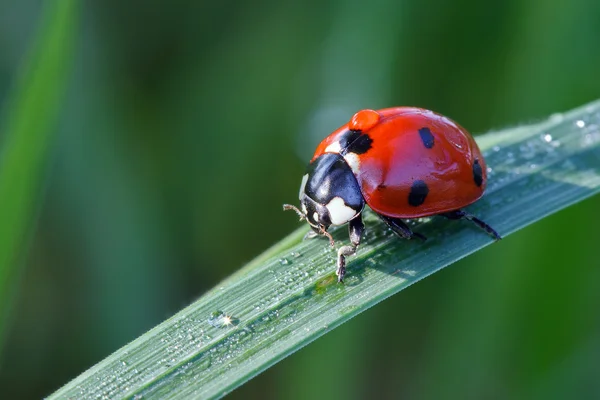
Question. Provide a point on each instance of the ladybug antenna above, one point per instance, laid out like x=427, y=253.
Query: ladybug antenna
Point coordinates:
x=294, y=208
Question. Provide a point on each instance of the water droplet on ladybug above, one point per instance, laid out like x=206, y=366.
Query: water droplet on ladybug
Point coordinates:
x=364, y=120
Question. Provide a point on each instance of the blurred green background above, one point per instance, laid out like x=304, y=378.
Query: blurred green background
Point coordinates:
x=187, y=124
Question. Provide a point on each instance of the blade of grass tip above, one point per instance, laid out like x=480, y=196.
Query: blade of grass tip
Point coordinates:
x=29, y=123
x=290, y=296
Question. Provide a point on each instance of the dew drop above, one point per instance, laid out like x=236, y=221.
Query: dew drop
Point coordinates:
x=284, y=261
x=580, y=123
x=219, y=319
x=547, y=138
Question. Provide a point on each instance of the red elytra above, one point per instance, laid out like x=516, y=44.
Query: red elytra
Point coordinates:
x=398, y=157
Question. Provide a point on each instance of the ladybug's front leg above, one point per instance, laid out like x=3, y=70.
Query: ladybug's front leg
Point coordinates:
x=355, y=230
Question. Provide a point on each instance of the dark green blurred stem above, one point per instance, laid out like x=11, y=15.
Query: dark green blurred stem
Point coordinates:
x=28, y=127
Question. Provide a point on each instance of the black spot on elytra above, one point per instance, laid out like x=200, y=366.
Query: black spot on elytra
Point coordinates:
x=418, y=192
x=427, y=137
x=347, y=139
x=355, y=142
x=361, y=145
x=477, y=173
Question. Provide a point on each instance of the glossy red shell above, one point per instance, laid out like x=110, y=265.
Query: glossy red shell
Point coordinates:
x=398, y=157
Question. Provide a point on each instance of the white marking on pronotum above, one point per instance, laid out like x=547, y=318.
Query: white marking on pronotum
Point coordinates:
x=353, y=161
x=339, y=212
x=333, y=148
x=303, y=186
x=316, y=217
x=304, y=210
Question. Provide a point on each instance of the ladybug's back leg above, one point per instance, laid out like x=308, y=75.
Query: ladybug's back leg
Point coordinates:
x=460, y=214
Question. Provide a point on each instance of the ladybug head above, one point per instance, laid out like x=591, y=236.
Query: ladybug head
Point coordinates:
x=329, y=194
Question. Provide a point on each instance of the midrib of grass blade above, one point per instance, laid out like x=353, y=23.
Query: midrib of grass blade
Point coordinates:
x=289, y=296
x=27, y=131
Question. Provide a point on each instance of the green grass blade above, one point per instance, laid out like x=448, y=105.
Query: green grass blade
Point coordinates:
x=288, y=296
x=28, y=126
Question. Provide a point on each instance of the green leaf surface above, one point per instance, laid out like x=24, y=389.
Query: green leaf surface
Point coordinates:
x=289, y=296
x=28, y=126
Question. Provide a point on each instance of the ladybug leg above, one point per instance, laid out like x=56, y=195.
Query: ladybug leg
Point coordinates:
x=355, y=230
x=460, y=214
x=313, y=234
x=400, y=228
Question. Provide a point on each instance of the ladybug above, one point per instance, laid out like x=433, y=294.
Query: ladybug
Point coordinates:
x=403, y=162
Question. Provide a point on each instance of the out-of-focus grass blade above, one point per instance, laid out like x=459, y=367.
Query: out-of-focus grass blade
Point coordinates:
x=288, y=296
x=28, y=124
